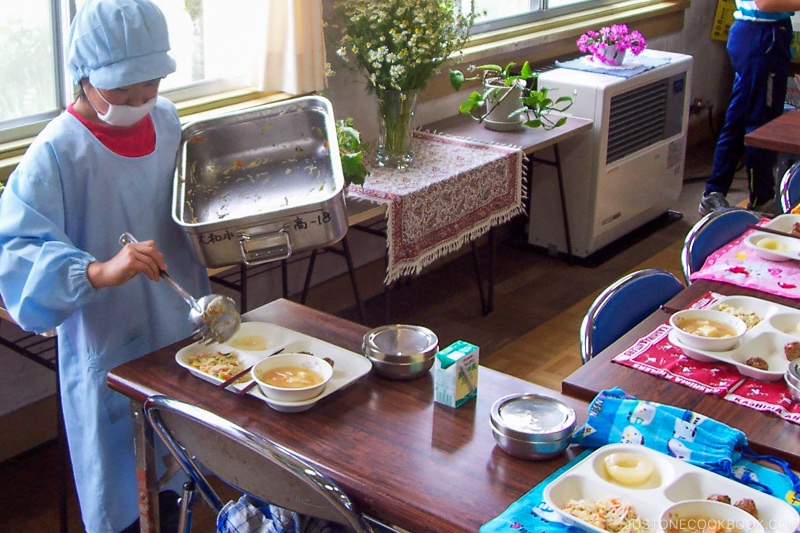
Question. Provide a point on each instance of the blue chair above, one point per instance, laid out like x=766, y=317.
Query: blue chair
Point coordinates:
x=622, y=305
x=710, y=233
x=790, y=188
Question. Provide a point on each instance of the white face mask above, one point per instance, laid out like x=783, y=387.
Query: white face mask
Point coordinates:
x=123, y=115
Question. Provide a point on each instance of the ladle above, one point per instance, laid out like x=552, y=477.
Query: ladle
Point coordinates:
x=214, y=317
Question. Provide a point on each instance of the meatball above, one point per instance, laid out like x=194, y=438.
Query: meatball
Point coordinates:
x=748, y=505
x=791, y=350
x=757, y=362
x=724, y=498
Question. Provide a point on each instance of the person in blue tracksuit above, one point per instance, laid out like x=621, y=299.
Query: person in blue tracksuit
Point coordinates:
x=759, y=47
x=101, y=168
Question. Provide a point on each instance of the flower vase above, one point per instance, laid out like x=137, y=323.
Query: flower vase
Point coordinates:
x=613, y=56
x=396, y=119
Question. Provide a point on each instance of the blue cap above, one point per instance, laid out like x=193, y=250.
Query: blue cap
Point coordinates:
x=115, y=43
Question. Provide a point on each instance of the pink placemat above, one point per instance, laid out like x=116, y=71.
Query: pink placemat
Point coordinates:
x=738, y=264
x=656, y=355
x=453, y=192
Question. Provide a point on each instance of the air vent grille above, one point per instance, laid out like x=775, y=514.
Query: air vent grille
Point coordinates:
x=637, y=119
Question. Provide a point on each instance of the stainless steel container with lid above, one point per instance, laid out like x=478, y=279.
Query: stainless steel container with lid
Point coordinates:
x=401, y=351
x=792, y=378
x=260, y=184
x=532, y=426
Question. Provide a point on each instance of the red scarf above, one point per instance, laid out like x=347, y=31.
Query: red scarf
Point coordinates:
x=136, y=141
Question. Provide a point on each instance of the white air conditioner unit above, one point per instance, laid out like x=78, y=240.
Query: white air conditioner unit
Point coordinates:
x=628, y=169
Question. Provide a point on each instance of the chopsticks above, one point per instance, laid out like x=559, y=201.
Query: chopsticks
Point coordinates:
x=231, y=380
x=246, y=388
x=773, y=231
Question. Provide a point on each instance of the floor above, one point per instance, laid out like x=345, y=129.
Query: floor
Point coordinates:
x=532, y=332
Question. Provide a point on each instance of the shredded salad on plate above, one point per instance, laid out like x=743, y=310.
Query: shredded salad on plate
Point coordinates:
x=222, y=365
x=610, y=514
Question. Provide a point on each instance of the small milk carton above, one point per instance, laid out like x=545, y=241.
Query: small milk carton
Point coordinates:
x=455, y=374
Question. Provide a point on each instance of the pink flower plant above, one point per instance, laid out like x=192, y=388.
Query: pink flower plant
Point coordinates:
x=595, y=42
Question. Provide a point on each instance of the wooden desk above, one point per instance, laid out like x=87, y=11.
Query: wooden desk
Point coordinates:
x=780, y=135
x=403, y=459
x=766, y=433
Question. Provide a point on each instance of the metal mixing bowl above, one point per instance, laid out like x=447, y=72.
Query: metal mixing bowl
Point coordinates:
x=400, y=351
x=792, y=378
x=532, y=426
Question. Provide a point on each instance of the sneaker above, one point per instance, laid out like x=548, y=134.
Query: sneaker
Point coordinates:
x=765, y=208
x=711, y=202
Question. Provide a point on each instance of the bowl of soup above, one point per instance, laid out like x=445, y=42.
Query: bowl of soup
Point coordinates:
x=292, y=377
x=707, y=329
x=705, y=516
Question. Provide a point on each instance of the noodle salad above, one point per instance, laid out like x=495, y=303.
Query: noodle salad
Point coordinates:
x=609, y=514
x=218, y=364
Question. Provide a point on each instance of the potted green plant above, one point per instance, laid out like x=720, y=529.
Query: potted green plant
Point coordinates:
x=350, y=152
x=511, y=98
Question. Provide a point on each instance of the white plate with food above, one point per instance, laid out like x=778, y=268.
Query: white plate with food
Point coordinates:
x=772, y=338
x=257, y=340
x=777, y=247
x=629, y=483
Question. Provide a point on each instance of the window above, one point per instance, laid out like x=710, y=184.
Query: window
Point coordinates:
x=28, y=69
x=215, y=43
x=506, y=13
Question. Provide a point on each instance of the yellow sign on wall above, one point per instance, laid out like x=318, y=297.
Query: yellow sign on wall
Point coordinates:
x=723, y=20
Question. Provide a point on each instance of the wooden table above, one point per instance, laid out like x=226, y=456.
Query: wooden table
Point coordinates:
x=531, y=141
x=403, y=459
x=766, y=433
x=780, y=135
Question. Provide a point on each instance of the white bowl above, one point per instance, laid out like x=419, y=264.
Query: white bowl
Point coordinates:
x=292, y=394
x=695, y=513
x=684, y=318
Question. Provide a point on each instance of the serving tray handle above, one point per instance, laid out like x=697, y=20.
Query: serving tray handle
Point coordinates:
x=265, y=247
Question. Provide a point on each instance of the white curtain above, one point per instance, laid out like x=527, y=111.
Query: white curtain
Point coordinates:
x=294, y=47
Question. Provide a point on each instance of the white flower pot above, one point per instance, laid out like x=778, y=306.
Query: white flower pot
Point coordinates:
x=614, y=56
x=500, y=105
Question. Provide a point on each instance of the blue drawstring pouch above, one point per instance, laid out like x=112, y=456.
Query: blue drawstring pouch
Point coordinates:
x=617, y=417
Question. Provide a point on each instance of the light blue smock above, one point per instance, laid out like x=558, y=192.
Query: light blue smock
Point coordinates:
x=65, y=206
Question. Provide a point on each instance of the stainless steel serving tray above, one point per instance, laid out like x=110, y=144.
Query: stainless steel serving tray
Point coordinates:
x=259, y=184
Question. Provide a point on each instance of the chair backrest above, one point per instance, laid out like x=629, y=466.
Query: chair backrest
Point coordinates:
x=710, y=233
x=790, y=187
x=622, y=305
x=200, y=439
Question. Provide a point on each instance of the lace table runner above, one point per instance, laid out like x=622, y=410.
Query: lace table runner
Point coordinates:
x=655, y=355
x=738, y=264
x=452, y=193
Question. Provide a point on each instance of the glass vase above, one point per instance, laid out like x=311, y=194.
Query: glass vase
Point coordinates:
x=395, y=123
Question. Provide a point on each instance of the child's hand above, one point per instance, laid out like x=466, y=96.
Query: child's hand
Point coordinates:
x=134, y=258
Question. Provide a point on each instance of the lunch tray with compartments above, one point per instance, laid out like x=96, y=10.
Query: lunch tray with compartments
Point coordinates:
x=779, y=326
x=776, y=247
x=672, y=481
x=348, y=366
